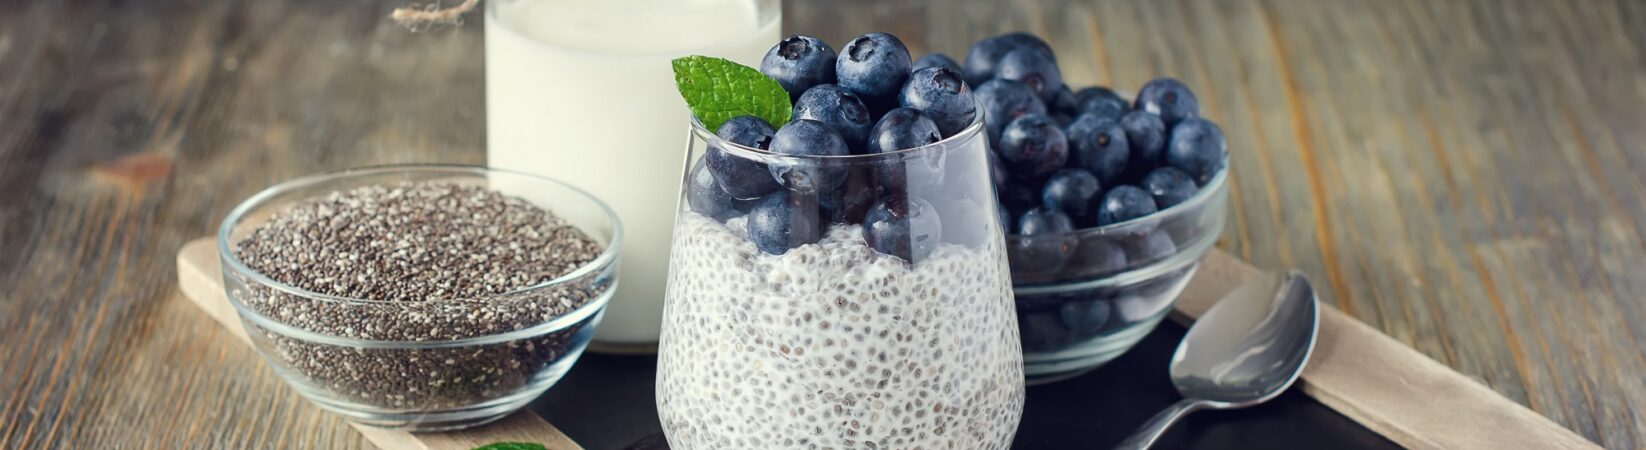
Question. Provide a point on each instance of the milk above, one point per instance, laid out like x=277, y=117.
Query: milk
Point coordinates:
x=582, y=91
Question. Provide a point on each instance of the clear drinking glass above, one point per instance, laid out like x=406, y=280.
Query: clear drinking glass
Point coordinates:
x=898, y=334
x=483, y=373
x=582, y=91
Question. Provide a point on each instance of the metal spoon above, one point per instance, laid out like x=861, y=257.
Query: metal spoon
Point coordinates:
x=1247, y=349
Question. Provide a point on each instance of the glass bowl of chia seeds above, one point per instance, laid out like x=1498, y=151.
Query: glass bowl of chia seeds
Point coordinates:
x=420, y=297
x=1086, y=296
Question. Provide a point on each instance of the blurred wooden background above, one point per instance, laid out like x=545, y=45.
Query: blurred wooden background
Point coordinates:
x=1464, y=175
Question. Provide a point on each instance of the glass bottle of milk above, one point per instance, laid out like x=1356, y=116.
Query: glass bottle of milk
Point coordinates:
x=582, y=91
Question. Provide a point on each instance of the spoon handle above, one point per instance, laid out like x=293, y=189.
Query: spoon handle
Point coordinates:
x=1157, y=425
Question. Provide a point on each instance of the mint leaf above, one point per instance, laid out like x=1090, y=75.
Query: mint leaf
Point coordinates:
x=511, y=446
x=717, y=90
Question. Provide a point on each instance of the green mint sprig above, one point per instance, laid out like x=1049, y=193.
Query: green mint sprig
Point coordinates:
x=511, y=446
x=717, y=90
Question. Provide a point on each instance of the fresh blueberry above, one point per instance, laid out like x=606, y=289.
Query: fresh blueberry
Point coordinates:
x=903, y=226
x=1168, y=186
x=1034, y=68
x=1019, y=197
x=1033, y=147
x=874, y=66
x=705, y=196
x=1045, y=245
x=1042, y=332
x=985, y=55
x=1102, y=102
x=1072, y=191
x=1062, y=120
x=848, y=203
x=1149, y=248
x=1123, y=203
x=942, y=96
x=781, y=221
x=1099, y=145
x=1064, y=103
x=899, y=129
x=1002, y=102
x=1197, y=148
x=743, y=178
x=839, y=109
x=1147, y=136
x=1169, y=99
x=808, y=138
x=798, y=63
x=1097, y=256
x=936, y=60
x=1084, y=316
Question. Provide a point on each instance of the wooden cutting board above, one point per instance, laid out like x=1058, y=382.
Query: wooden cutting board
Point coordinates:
x=1356, y=370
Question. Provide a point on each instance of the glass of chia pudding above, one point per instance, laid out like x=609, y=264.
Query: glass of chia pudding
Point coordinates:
x=839, y=298
x=421, y=297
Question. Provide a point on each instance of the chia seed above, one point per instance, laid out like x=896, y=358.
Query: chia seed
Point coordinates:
x=422, y=264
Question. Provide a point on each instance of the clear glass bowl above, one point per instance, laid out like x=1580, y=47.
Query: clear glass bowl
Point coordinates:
x=1088, y=295
x=464, y=379
x=829, y=340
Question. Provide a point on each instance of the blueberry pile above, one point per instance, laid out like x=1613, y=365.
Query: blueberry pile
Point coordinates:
x=870, y=98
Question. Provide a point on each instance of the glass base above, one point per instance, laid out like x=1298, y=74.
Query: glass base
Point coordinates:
x=1049, y=367
x=623, y=348
x=446, y=420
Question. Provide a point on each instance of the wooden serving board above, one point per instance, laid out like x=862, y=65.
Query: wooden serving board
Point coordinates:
x=1363, y=374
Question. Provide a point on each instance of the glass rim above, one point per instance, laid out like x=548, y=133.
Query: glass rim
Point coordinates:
x=955, y=141
x=231, y=262
x=1218, y=185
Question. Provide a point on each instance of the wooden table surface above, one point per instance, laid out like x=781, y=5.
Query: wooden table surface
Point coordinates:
x=1464, y=176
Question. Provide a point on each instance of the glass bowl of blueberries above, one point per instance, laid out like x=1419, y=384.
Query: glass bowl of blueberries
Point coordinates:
x=1108, y=203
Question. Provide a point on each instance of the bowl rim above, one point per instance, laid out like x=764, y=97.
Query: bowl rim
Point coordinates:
x=606, y=258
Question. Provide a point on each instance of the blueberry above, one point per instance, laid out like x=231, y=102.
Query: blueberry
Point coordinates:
x=1046, y=243
x=1197, y=148
x=808, y=138
x=936, y=60
x=1072, y=191
x=1098, y=144
x=1042, y=221
x=1084, y=316
x=1033, y=147
x=1102, y=102
x=874, y=66
x=982, y=58
x=1097, y=256
x=743, y=178
x=1042, y=332
x=705, y=196
x=899, y=129
x=1062, y=120
x=1149, y=248
x=781, y=221
x=1123, y=203
x=839, y=109
x=1007, y=225
x=903, y=226
x=1064, y=103
x=1019, y=197
x=1169, y=99
x=1168, y=186
x=848, y=203
x=1034, y=68
x=798, y=63
x=1003, y=101
x=942, y=96
x=1146, y=134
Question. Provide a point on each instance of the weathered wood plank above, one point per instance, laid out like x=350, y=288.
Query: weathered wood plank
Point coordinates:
x=1462, y=175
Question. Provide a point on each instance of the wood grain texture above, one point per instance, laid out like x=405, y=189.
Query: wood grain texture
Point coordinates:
x=1459, y=174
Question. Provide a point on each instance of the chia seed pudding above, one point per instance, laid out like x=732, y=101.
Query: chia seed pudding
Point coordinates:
x=835, y=345
x=405, y=284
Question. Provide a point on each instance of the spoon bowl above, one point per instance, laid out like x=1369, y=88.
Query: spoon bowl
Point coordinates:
x=1246, y=349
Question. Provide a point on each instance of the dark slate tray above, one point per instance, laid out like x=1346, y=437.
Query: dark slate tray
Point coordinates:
x=605, y=403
